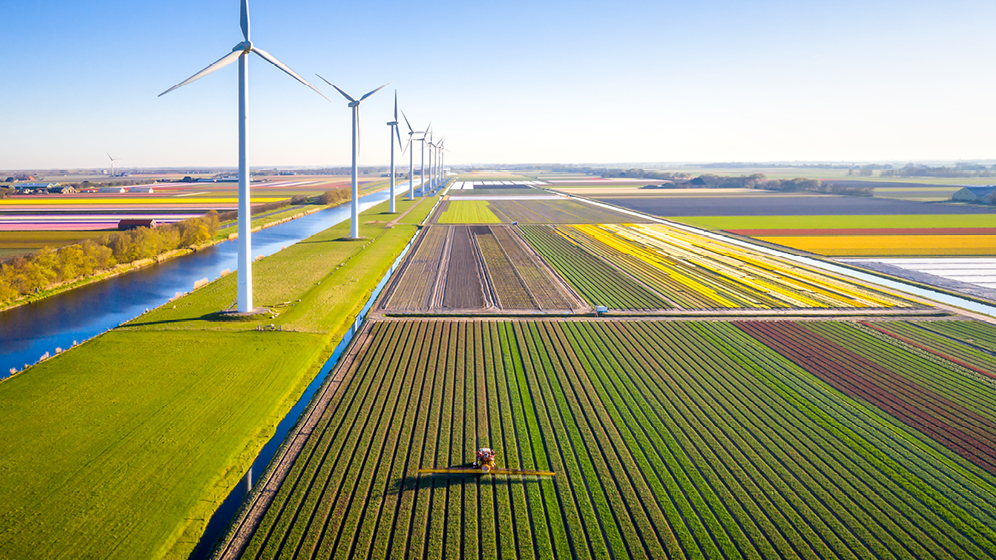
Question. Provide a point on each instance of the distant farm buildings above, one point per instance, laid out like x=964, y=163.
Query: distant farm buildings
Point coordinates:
x=974, y=194
x=147, y=190
x=34, y=187
x=132, y=223
x=112, y=190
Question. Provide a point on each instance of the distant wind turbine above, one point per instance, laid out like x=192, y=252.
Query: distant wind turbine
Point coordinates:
x=411, y=156
x=394, y=133
x=354, y=225
x=113, y=159
x=241, y=52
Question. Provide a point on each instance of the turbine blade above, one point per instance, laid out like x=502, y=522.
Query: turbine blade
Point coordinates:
x=344, y=94
x=273, y=60
x=245, y=19
x=375, y=91
x=398, y=133
x=410, y=131
x=395, y=105
x=109, y=156
x=220, y=63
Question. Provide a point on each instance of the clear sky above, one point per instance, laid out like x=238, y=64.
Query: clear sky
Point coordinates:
x=511, y=81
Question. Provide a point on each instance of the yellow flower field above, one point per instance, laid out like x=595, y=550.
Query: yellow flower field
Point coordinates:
x=890, y=245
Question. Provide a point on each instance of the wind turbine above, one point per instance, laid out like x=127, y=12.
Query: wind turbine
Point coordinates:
x=411, y=156
x=241, y=52
x=113, y=159
x=394, y=133
x=354, y=225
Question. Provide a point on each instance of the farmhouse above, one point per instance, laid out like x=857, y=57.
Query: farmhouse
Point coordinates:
x=62, y=189
x=32, y=187
x=973, y=194
x=132, y=223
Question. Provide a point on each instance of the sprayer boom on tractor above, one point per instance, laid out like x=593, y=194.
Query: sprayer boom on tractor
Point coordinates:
x=485, y=464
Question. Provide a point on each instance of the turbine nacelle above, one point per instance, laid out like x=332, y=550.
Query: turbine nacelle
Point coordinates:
x=244, y=46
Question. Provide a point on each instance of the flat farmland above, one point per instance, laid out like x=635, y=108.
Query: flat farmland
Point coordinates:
x=641, y=267
x=168, y=202
x=527, y=211
x=475, y=269
x=779, y=205
x=669, y=439
x=836, y=222
x=888, y=245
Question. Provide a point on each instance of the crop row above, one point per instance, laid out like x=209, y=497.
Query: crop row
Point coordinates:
x=509, y=289
x=669, y=439
x=599, y=282
x=546, y=289
x=965, y=431
x=699, y=272
x=975, y=334
x=414, y=286
x=947, y=347
x=475, y=268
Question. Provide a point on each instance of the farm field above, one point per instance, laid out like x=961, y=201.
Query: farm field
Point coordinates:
x=526, y=211
x=169, y=202
x=147, y=428
x=678, y=439
x=467, y=212
x=633, y=267
x=736, y=224
x=475, y=268
x=885, y=245
x=800, y=205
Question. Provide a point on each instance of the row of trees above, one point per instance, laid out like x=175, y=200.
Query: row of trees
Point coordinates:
x=799, y=184
x=959, y=170
x=48, y=267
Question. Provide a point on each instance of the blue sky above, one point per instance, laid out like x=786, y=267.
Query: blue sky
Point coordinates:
x=504, y=81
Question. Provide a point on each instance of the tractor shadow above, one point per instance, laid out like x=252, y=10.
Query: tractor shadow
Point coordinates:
x=444, y=481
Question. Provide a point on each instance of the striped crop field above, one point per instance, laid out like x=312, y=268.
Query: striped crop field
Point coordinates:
x=477, y=268
x=526, y=211
x=656, y=266
x=888, y=245
x=669, y=439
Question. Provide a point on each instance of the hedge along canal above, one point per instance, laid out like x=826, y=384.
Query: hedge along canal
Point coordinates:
x=898, y=286
x=222, y=518
x=62, y=320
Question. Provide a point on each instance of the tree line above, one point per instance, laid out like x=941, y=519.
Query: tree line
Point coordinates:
x=798, y=184
x=48, y=267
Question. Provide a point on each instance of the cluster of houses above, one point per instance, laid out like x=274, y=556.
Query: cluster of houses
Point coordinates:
x=56, y=188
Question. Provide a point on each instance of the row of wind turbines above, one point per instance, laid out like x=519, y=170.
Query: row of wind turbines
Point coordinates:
x=241, y=53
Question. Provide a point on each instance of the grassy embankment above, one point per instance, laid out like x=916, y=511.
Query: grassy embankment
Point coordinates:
x=124, y=446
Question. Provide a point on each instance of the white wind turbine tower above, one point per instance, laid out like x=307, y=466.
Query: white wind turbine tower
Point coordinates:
x=421, y=173
x=354, y=225
x=411, y=156
x=241, y=52
x=394, y=133
x=113, y=159
x=431, y=176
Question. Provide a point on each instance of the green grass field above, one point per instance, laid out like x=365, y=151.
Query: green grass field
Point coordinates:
x=468, y=212
x=124, y=446
x=840, y=222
